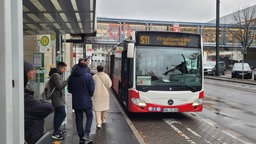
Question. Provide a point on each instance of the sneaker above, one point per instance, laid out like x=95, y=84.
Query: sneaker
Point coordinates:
x=62, y=132
x=58, y=136
x=87, y=139
x=104, y=121
x=82, y=141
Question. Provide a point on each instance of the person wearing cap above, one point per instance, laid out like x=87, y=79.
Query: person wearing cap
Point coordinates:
x=35, y=110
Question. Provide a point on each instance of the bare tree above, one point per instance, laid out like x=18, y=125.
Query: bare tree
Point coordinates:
x=245, y=22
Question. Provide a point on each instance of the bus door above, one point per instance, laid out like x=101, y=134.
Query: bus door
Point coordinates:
x=125, y=72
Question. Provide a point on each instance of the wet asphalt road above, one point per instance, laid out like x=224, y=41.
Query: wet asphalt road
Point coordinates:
x=180, y=128
x=232, y=105
x=228, y=117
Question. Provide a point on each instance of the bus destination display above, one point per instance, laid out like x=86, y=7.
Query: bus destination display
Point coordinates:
x=168, y=39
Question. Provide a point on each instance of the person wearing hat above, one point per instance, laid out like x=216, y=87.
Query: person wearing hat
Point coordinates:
x=29, y=73
x=35, y=110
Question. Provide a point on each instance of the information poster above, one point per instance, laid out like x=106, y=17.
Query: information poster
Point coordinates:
x=143, y=80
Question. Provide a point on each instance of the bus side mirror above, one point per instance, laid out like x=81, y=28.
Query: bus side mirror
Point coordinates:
x=130, y=50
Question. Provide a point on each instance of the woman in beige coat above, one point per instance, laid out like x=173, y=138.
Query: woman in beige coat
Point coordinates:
x=101, y=95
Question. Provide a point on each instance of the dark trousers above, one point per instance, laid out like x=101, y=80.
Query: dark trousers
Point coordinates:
x=79, y=122
x=59, y=116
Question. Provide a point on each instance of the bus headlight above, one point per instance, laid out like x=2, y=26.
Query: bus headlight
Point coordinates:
x=198, y=102
x=139, y=102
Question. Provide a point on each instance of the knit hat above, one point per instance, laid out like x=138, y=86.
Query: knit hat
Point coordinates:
x=28, y=67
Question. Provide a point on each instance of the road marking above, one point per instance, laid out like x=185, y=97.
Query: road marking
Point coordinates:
x=229, y=132
x=171, y=122
x=193, y=132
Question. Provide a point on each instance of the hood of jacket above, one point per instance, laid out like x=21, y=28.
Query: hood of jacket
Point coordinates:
x=78, y=70
x=52, y=71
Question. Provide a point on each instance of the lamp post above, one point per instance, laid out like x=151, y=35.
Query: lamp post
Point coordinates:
x=243, y=53
x=217, y=35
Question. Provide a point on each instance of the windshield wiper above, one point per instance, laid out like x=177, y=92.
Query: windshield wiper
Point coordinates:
x=144, y=88
x=191, y=88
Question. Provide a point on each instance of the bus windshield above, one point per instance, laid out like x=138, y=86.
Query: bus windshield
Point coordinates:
x=168, y=68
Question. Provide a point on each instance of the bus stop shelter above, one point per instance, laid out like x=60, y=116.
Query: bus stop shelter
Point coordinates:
x=32, y=17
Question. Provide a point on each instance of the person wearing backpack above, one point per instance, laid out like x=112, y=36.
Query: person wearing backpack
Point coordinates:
x=48, y=90
x=36, y=110
x=58, y=99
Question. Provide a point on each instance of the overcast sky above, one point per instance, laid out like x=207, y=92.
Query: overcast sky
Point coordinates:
x=168, y=10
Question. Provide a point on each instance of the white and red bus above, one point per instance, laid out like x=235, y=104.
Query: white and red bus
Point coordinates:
x=156, y=71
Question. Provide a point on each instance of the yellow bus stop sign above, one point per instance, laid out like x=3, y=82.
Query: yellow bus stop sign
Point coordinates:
x=44, y=41
x=52, y=36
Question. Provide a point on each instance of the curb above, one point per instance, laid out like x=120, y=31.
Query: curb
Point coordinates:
x=135, y=132
x=231, y=80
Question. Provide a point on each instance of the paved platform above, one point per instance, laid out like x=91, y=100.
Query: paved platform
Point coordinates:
x=117, y=130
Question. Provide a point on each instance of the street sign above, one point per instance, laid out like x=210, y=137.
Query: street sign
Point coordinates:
x=88, y=49
x=38, y=59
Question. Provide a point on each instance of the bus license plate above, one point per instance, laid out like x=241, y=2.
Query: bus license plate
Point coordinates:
x=170, y=109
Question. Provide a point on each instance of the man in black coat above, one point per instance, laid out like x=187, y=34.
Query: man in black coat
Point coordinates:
x=35, y=110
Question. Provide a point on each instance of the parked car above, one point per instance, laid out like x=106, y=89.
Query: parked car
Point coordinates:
x=237, y=71
x=210, y=67
x=255, y=74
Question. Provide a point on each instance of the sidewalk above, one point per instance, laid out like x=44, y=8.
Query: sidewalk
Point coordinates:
x=117, y=130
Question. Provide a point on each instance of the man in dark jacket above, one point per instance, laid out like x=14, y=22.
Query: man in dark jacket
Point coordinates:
x=81, y=86
x=35, y=110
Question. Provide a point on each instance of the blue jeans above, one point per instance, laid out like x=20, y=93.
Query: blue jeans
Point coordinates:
x=59, y=116
x=79, y=122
